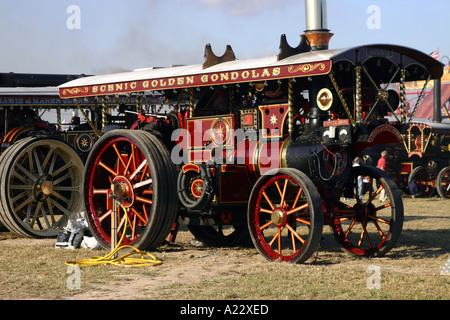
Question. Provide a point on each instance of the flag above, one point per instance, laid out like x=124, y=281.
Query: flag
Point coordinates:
x=435, y=54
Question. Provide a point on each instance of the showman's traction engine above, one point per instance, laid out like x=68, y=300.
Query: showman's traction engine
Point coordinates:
x=258, y=149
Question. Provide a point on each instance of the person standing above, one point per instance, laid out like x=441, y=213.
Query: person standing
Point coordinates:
x=356, y=163
x=382, y=164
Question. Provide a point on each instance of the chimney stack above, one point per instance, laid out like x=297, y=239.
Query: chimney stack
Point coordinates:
x=316, y=24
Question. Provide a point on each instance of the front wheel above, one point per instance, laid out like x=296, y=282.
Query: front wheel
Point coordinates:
x=285, y=216
x=372, y=225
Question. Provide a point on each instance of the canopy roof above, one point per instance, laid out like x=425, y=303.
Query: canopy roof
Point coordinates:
x=44, y=91
x=311, y=63
x=33, y=97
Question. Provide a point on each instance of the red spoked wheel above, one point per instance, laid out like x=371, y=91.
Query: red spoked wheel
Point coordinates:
x=369, y=227
x=138, y=166
x=443, y=183
x=285, y=216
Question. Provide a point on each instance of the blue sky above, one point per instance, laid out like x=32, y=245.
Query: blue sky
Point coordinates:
x=118, y=35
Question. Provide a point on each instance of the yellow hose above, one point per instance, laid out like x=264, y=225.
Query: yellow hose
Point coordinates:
x=124, y=261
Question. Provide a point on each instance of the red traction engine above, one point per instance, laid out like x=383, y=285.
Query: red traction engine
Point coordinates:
x=258, y=149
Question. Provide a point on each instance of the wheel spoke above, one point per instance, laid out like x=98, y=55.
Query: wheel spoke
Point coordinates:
x=375, y=194
x=107, y=168
x=64, y=167
x=380, y=232
x=120, y=158
x=275, y=237
x=60, y=197
x=29, y=157
x=127, y=167
x=37, y=162
x=35, y=215
x=350, y=227
x=138, y=169
x=279, y=241
x=308, y=223
x=380, y=220
x=137, y=214
x=52, y=165
x=101, y=191
x=50, y=210
x=60, y=207
x=27, y=173
x=21, y=195
x=142, y=184
x=48, y=157
x=266, y=225
x=299, y=193
x=23, y=204
x=56, y=182
x=296, y=235
x=71, y=189
x=144, y=200
x=268, y=200
x=282, y=193
x=105, y=215
x=306, y=205
x=383, y=206
x=133, y=232
x=16, y=175
x=366, y=233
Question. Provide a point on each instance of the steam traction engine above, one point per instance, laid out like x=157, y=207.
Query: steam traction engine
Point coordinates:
x=41, y=166
x=42, y=159
x=261, y=146
x=424, y=157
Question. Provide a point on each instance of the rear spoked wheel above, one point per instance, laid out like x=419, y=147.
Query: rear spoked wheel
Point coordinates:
x=369, y=227
x=285, y=216
x=139, y=168
x=40, y=186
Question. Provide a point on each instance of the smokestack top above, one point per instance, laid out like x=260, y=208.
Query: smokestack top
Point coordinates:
x=317, y=31
x=316, y=15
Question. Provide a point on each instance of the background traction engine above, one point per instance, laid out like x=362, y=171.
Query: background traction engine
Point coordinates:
x=41, y=166
x=41, y=161
x=269, y=161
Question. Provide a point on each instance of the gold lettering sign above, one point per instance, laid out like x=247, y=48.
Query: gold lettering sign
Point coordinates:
x=216, y=78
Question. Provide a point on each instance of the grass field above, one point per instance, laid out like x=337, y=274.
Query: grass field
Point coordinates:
x=34, y=269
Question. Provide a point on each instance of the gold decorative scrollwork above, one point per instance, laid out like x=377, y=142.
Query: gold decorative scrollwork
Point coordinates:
x=307, y=68
x=76, y=91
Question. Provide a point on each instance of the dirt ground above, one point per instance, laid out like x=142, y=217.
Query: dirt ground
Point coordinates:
x=34, y=269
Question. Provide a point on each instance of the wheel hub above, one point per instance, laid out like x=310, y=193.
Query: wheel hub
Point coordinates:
x=47, y=188
x=363, y=211
x=122, y=190
x=43, y=187
x=278, y=217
